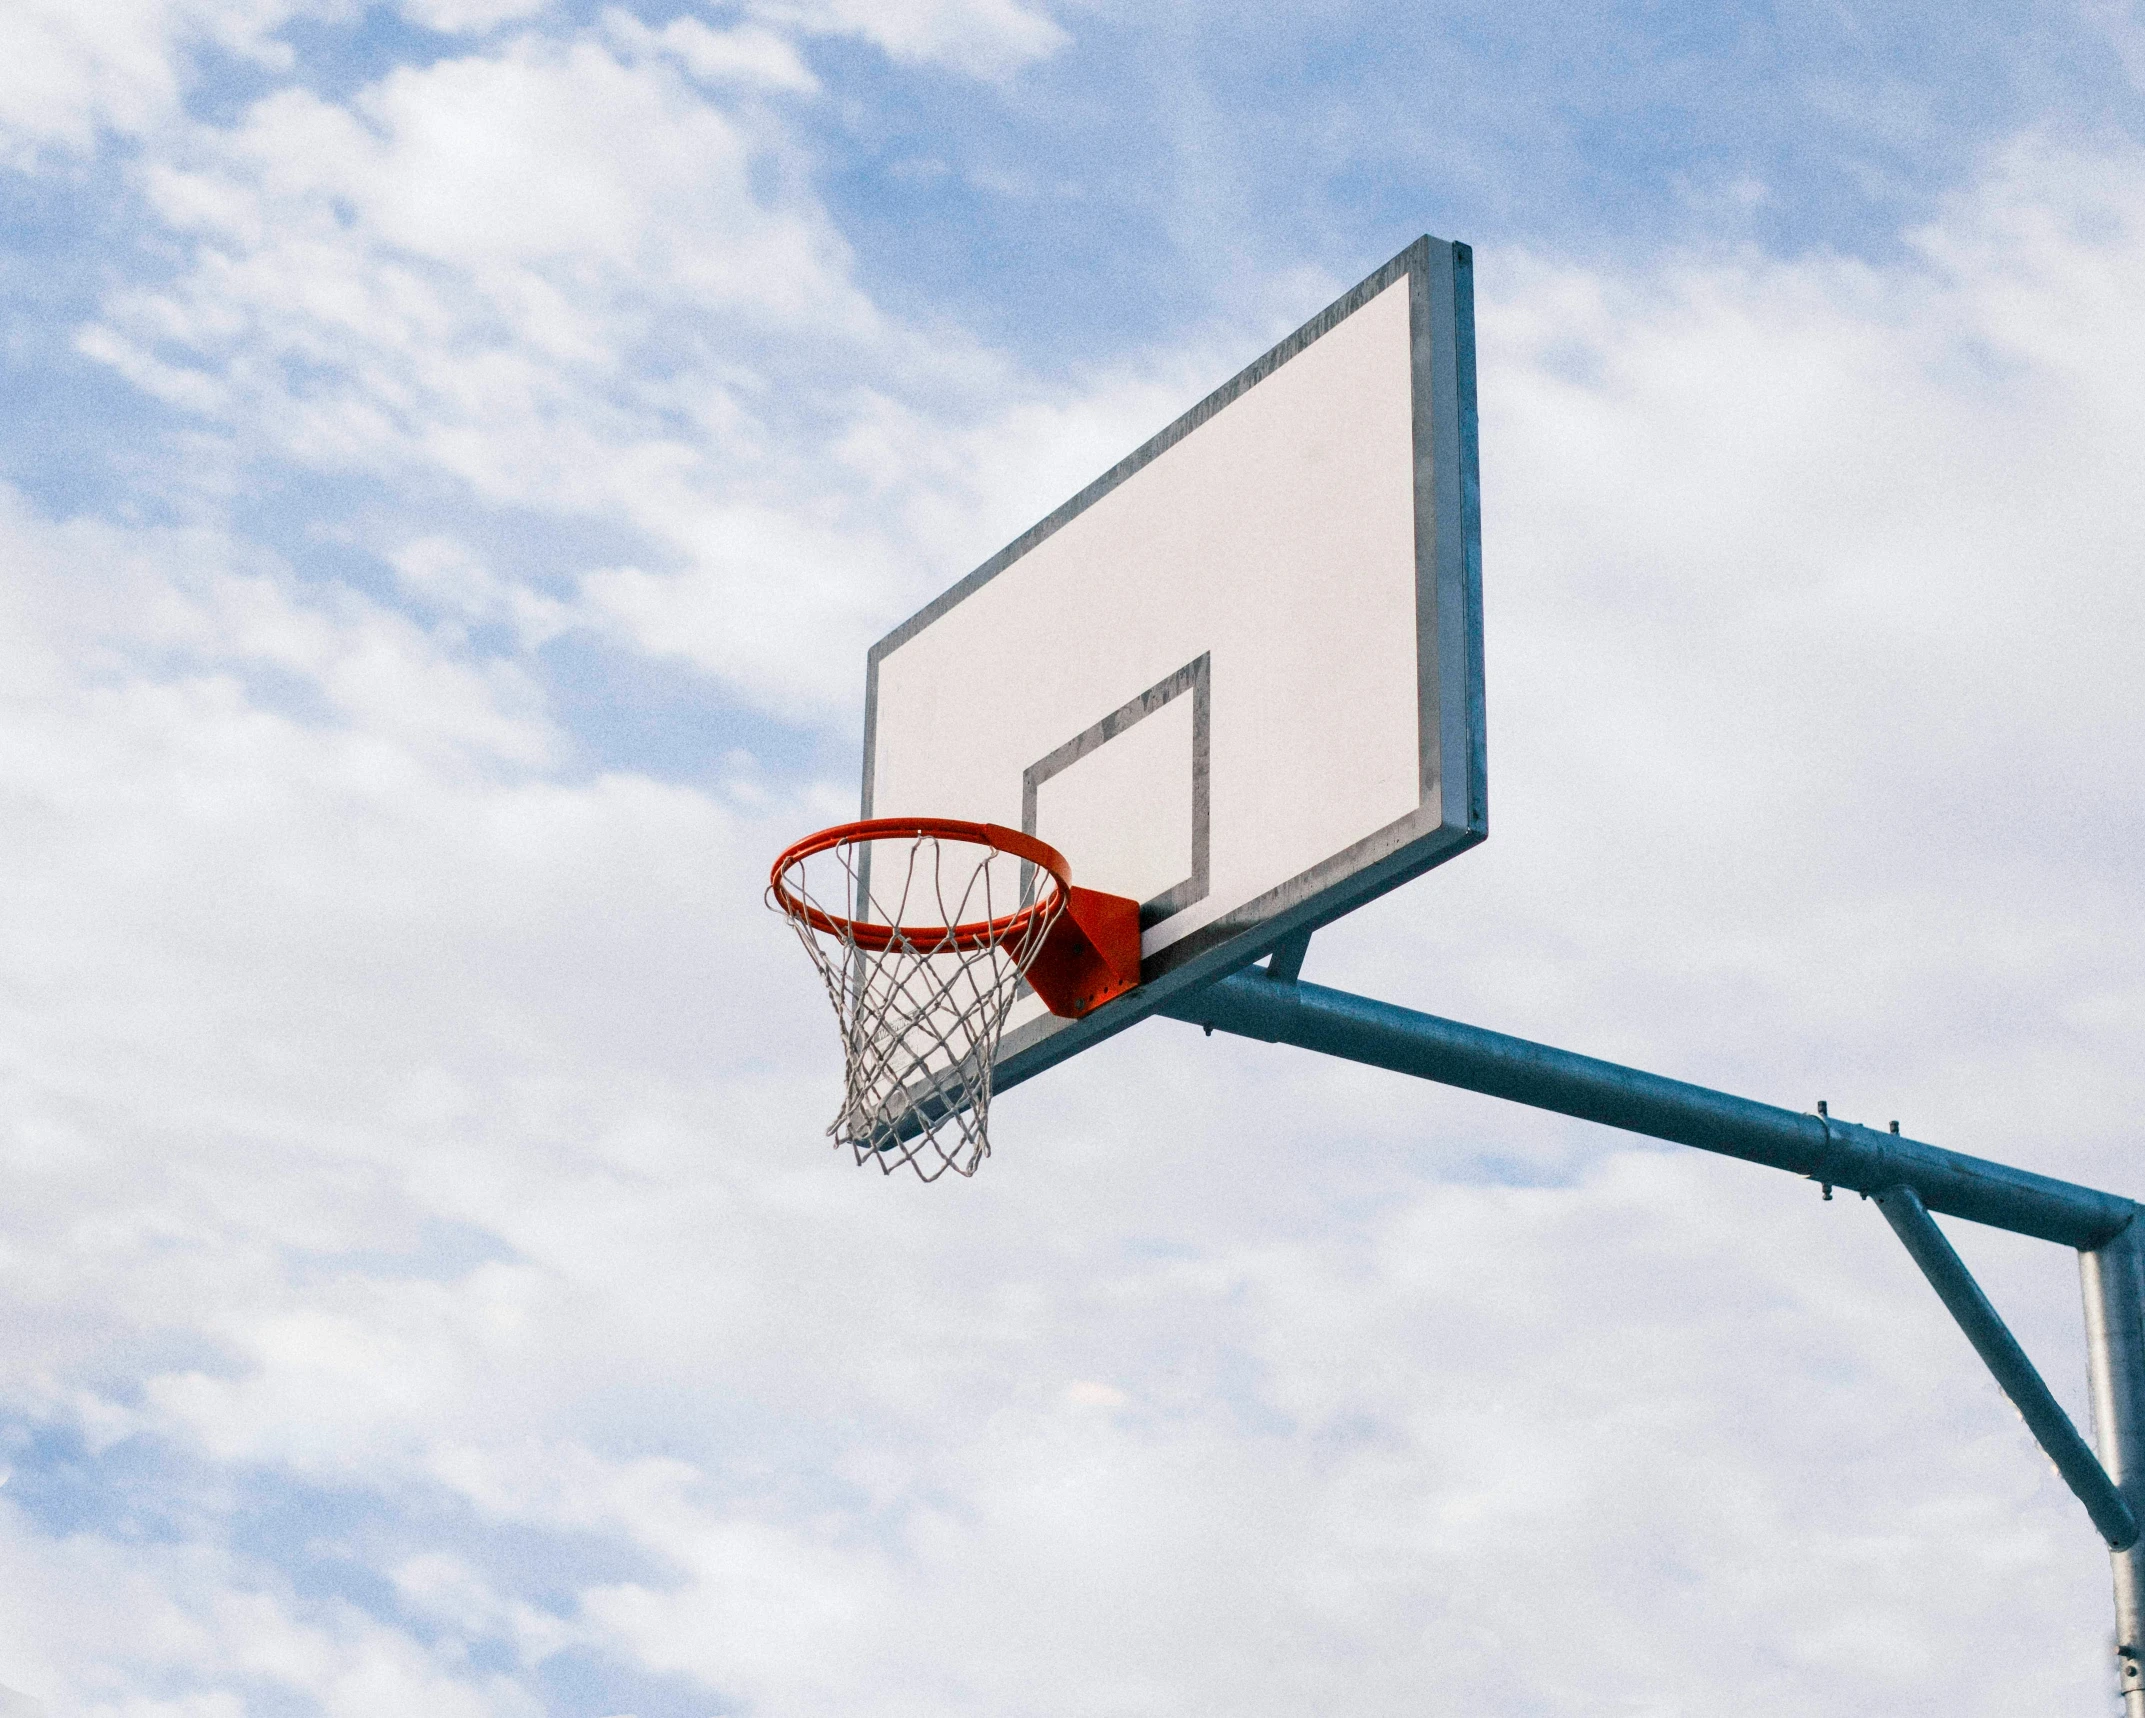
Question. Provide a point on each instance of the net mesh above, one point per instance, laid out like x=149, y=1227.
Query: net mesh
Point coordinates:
x=919, y=1011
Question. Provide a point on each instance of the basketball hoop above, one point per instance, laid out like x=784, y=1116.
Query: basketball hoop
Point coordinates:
x=922, y=930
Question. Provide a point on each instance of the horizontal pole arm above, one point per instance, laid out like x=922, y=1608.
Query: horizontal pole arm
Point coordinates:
x=1842, y=1154
x=2014, y=1372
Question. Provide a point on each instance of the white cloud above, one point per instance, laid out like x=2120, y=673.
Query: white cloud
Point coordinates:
x=471, y=17
x=984, y=38
x=2125, y=30
x=479, y=243
x=447, y=576
x=69, y=71
x=165, y=1637
x=563, y=280
x=745, y=55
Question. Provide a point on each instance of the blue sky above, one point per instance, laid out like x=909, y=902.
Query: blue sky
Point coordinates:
x=456, y=456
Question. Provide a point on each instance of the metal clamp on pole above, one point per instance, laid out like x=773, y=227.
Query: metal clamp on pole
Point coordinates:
x=2014, y=1372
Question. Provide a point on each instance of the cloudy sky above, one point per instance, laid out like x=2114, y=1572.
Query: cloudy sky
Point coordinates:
x=454, y=456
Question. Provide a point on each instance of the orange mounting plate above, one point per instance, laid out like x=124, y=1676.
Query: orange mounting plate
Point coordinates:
x=1091, y=956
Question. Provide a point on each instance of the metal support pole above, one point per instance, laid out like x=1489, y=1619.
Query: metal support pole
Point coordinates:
x=2114, y=1280
x=2015, y=1374
x=1907, y=1178
x=1835, y=1152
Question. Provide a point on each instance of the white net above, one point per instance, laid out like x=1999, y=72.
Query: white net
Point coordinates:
x=922, y=940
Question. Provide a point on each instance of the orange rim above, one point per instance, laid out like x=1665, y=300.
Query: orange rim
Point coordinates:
x=977, y=933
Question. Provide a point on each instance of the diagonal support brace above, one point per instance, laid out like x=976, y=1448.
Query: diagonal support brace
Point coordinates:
x=1999, y=1349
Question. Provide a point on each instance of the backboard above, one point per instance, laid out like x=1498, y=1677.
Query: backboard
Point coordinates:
x=1238, y=677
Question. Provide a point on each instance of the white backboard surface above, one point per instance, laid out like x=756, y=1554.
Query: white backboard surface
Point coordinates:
x=1239, y=676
